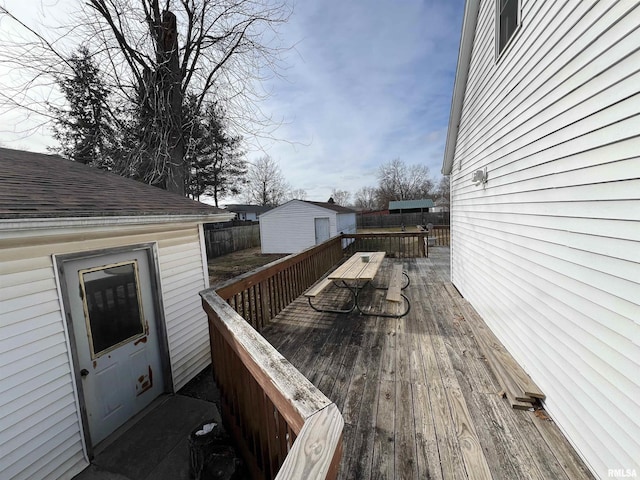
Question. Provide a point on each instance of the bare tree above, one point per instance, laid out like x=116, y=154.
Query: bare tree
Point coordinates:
x=297, y=194
x=341, y=197
x=265, y=183
x=366, y=198
x=444, y=186
x=154, y=54
x=397, y=181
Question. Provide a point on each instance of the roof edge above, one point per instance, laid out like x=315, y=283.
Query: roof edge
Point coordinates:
x=460, y=85
x=330, y=206
x=48, y=223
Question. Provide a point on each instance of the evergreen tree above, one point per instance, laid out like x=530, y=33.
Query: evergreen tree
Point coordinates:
x=83, y=129
x=214, y=156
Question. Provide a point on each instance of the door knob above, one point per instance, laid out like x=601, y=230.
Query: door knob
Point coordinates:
x=84, y=372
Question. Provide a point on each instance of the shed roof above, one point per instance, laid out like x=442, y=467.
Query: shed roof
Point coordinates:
x=36, y=185
x=411, y=204
x=332, y=206
x=247, y=208
x=325, y=205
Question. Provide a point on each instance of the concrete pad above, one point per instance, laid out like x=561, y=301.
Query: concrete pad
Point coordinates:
x=93, y=472
x=156, y=445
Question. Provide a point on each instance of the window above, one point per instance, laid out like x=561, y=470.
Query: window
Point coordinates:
x=112, y=305
x=508, y=13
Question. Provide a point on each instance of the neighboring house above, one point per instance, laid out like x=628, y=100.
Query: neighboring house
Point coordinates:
x=100, y=312
x=411, y=206
x=299, y=224
x=543, y=149
x=248, y=212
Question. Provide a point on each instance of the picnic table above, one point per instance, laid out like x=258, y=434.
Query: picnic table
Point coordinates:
x=357, y=273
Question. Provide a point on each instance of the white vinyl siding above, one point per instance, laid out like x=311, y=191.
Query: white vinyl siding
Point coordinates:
x=187, y=328
x=547, y=251
x=39, y=424
x=346, y=222
x=290, y=228
x=40, y=432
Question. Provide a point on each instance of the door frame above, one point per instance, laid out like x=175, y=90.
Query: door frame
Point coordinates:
x=315, y=230
x=151, y=250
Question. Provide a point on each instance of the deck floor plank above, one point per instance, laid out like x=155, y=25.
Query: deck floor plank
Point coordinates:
x=476, y=385
x=440, y=377
x=360, y=463
x=515, y=437
x=383, y=458
x=427, y=451
x=418, y=398
x=405, y=433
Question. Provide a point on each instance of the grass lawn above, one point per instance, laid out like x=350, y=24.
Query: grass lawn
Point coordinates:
x=236, y=263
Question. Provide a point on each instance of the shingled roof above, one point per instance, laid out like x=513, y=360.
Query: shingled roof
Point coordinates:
x=35, y=185
x=332, y=206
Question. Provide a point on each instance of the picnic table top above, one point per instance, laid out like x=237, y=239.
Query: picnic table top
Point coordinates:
x=355, y=268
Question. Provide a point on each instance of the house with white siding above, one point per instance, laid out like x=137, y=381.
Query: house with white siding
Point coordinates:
x=300, y=224
x=99, y=282
x=543, y=152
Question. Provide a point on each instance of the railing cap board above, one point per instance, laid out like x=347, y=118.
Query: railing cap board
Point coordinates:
x=383, y=234
x=291, y=392
x=317, y=450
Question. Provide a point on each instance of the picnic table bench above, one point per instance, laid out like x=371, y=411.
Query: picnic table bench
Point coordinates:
x=355, y=274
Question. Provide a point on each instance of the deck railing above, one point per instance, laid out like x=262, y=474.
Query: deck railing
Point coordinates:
x=441, y=234
x=284, y=427
x=398, y=245
x=438, y=236
x=259, y=296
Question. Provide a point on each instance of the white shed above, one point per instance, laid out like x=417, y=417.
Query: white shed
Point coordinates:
x=299, y=224
x=543, y=149
x=99, y=281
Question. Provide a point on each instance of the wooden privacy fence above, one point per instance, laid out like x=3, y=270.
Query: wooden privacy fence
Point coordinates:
x=284, y=427
x=398, y=219
x=226, y=240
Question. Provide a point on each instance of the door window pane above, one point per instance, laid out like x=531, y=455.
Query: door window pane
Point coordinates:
x=112, y=305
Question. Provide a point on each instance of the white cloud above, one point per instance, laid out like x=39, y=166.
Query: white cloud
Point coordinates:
x=368, y=81
x=371, y=81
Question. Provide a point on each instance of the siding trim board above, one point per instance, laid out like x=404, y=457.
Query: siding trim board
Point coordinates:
x=62, y=225
x=547, y=250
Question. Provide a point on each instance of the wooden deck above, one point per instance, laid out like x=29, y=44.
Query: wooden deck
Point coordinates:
x=418, y=399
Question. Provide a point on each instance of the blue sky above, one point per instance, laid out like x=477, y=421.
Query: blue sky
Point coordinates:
x=366, y=82
x=370, y=81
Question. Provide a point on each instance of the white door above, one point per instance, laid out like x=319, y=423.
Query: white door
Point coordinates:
x=322, y=229
x=112, y=308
